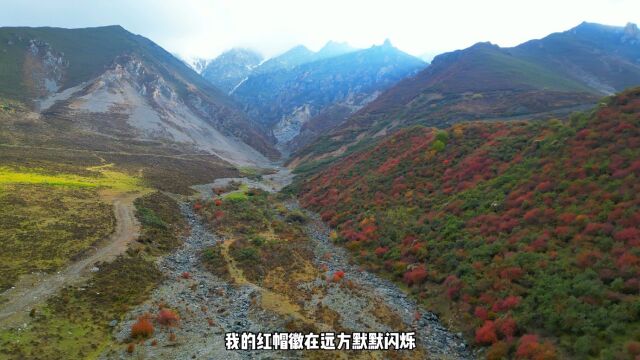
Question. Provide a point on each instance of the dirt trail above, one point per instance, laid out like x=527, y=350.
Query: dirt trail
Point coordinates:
x=33, y=289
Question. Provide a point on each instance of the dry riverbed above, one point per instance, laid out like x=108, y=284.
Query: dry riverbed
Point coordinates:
x=209, y=305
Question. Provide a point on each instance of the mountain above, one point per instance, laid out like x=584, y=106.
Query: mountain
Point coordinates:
x=332, y=49
x=524, y=234
x=197, y=64
x=288, y=98
x=293, y=57
x=548, y=77
x=232, y=67
x=605, y=58
x=120, y=86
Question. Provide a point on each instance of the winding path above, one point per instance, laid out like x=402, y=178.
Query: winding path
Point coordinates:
x=32, y=290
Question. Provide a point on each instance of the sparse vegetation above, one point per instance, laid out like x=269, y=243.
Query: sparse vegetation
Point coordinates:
x=78, y=318
x=162, y=223
x=44, y=227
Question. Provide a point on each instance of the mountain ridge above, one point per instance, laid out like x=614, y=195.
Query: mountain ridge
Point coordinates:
x=53, y=65
x=561, y=72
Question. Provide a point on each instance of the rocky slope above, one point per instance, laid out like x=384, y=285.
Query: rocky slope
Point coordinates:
x=146, y=92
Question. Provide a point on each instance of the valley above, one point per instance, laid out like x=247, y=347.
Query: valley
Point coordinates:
x=230, y=299
x=486, y=202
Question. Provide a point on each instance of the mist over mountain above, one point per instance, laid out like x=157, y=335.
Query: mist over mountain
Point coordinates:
x=557, y=74
x=340, y=82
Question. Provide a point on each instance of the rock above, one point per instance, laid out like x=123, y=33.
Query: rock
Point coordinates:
x=113, y=323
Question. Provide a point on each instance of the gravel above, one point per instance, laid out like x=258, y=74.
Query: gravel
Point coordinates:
x=210, y=306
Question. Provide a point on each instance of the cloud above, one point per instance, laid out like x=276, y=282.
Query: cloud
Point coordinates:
x=204, y=28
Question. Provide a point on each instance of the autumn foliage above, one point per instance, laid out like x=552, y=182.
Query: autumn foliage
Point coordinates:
x=142, y=328
x=337, y=276
x=167, y=317
x=520, y=226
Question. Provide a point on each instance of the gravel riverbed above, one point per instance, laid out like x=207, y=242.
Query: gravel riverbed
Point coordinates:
x=210, y=306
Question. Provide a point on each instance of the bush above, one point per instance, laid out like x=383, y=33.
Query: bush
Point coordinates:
x=498, y=351
x=633, y=348
x=167, y=317
x=415, y=276
x=486, y=334
x=143, y=328
x=337, y=276
x=248, y=253
x=297, y=217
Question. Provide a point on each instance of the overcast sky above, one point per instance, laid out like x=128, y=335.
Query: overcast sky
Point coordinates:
x=204, y=28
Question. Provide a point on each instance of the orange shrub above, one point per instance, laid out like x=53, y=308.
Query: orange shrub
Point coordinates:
x=337, y=276
x=143, y=328
x=167, y=317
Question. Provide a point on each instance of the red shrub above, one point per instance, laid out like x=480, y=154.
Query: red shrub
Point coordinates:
x=218, y=214
x=527, y=347
x=197, y=206
x=337, y=276
x=416, y=276
x=530, y=348
x=143, y=328
x=508, y=303
x=532, y=216
x=167, y=317
x=131, y=347
x=218, y=202
x=544, y=186
x=507, y=327
x=327, y=215
x=633, y=348
x=454, y=285
x=588, y=258
x=486, y=334
x=381, y=250
x=185, y=275
x=629, y=235
x=511, y=273
x=481, y=313
x=567, y=218
x=627, y=260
